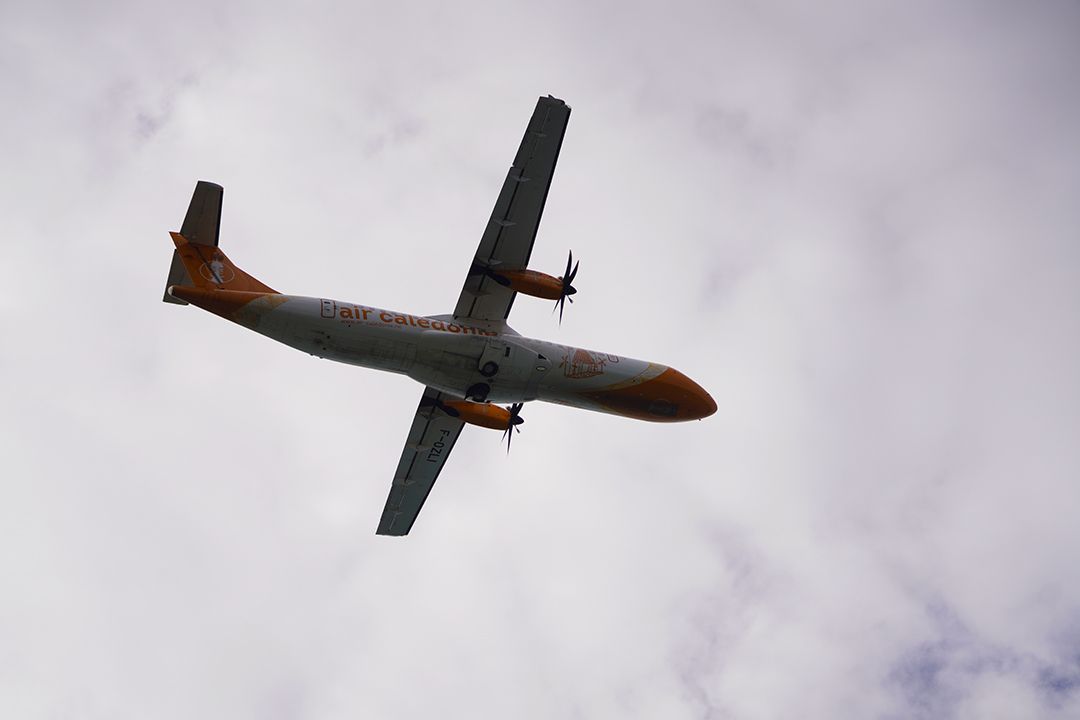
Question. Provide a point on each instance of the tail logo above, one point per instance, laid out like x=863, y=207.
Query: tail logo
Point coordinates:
x=216, y=271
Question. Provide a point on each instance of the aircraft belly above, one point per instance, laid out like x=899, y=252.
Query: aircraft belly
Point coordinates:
x=377, y=348
x=584, y=378
x=298, y=323
x=458, y=359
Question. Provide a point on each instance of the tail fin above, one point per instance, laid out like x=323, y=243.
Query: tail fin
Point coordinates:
x=197, y=261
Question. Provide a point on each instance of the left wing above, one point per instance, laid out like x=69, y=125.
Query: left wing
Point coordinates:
x=430, y=441
x=508, y=239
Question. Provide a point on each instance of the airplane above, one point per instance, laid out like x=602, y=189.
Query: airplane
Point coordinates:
x=468, y=360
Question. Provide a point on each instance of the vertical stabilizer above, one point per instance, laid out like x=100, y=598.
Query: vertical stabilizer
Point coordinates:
x=208, y=268
x=201, y=226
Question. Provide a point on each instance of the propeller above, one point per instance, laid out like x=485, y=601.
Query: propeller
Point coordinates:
x=567, y=288
x=512, y=426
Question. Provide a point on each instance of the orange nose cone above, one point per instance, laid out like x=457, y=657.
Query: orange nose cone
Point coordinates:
x=693, y=402
x=668, y=397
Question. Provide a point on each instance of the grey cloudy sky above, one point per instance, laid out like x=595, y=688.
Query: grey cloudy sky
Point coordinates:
x=856, y=224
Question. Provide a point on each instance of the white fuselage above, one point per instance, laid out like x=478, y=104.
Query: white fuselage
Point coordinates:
x=443, y=353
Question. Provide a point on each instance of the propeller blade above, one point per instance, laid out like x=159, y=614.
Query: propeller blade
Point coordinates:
x=508, y=434
x=567, y=288
x=512, y=424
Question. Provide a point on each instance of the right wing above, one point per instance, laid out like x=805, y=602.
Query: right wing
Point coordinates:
x=430, y=441
x=507, y=241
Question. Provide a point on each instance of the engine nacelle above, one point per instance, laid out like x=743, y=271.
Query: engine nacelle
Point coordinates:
x=482, y=414
x=531, y=282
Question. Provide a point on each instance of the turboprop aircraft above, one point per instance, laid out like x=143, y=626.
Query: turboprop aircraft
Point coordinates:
x=468, y=360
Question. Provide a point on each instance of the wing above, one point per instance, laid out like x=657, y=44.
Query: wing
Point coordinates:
x=430, y=441
x=508, y=240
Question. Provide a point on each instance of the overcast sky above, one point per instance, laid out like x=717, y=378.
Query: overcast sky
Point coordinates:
x=856, y=224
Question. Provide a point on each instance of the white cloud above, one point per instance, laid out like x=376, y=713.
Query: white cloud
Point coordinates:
x=854, y=226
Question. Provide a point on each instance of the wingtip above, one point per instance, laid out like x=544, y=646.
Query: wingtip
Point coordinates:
x=554, y=99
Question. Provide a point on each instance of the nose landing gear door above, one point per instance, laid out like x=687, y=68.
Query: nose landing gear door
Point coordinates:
x=495, y=357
